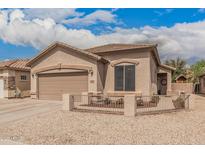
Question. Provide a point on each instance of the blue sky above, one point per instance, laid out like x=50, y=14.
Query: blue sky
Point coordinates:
x=24, y=32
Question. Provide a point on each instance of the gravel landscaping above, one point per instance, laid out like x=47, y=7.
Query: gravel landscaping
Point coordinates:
x=184, y=127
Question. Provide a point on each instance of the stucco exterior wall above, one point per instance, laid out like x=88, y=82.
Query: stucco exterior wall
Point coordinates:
x=154, y=71
x=60, y=55
x=182, y=87
x=101, y=77
x=23, y=87
x=6, y=75
x=12, y=83
x=2, y=78
x=143, y=73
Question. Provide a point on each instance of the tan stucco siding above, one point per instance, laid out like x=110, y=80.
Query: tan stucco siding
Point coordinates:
x=6, y=74
x=154, y=70
x=23, y=86
x=2, y=78
x=13, y=83
x=142, y=76
x=63, y=56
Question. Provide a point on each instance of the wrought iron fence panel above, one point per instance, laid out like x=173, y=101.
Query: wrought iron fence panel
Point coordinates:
x=159, y=103
x=99, y=103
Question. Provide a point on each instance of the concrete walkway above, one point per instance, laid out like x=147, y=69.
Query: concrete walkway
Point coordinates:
x=17, y=109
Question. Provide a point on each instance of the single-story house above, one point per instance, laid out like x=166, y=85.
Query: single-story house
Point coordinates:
x=109, y=69
x=14, y=79
x=181, y=79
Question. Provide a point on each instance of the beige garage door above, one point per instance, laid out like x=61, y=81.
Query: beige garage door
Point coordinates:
x=52, y=86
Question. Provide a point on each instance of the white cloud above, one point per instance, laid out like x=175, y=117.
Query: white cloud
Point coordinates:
x=94, y=17
x=16, y=15
x=183, y=39
x=56, y=14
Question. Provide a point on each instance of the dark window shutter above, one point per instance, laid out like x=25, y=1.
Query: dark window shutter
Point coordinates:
x=119, y=78
x=129, y=77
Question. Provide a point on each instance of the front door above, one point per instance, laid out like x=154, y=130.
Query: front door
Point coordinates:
x=162, y=83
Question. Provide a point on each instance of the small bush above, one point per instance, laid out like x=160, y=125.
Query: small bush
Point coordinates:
x=178, y=103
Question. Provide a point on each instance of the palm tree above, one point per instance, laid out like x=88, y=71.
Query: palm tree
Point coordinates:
x=179, y=64
x=176, y=63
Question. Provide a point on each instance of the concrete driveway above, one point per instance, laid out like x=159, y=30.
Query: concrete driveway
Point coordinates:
x=16, y=109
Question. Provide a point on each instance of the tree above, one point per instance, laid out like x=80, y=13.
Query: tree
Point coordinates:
x=198, y=69
x=189, y=74
x=179, y=64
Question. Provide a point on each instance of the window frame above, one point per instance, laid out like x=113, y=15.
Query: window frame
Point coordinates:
x=26, y=79
x=124, y=77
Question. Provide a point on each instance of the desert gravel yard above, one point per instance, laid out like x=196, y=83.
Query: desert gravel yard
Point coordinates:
x=184, y=127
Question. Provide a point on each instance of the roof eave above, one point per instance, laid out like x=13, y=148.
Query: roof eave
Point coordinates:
x=31, y=61
x=156, y=54
x=16, y=69
x=103, y=60
x=55, y=44
x=167, y=67
x=95, y=52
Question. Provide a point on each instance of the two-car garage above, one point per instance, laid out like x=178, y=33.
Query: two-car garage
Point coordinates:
x=53, y=86
x=63, y=69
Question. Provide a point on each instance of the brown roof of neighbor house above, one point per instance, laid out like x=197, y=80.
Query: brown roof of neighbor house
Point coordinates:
x=117, y=47
x=181, y=75
x=17, y=64
x=53, y=45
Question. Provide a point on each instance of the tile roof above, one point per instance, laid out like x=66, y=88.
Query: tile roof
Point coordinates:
x=117, y=47
x=18, y=64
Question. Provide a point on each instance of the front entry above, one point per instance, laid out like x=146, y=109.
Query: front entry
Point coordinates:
x=162, y=83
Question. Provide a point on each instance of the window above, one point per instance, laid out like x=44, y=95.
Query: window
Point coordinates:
x=23, y=77
x=125, y=78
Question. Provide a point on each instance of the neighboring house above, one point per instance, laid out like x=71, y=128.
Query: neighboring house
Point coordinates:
x=115, y=69
x=14, y=79
x=181, y=79
x=202, y=84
